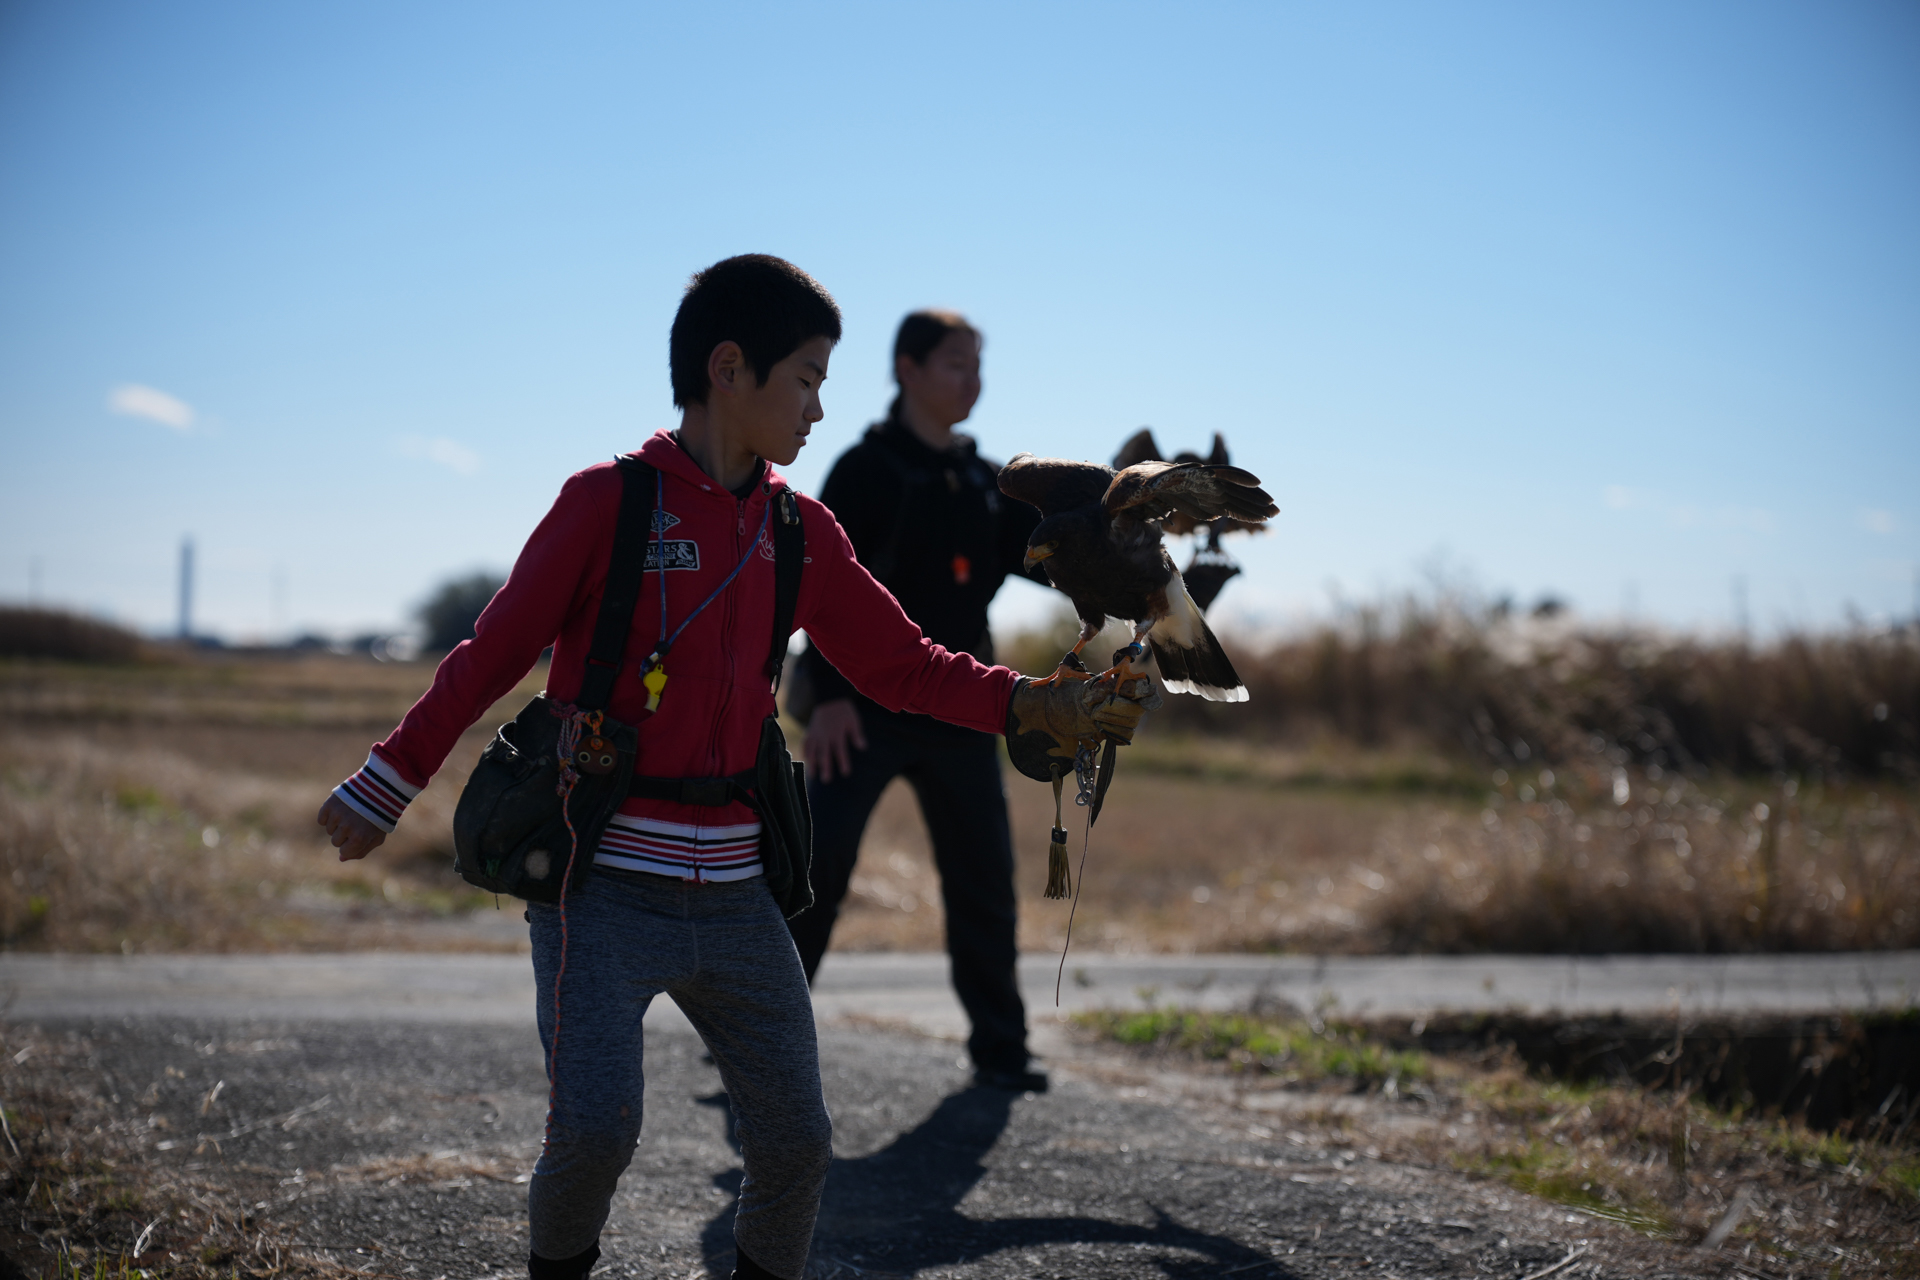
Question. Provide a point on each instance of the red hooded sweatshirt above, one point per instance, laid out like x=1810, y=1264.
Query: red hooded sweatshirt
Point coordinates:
x=717, y=692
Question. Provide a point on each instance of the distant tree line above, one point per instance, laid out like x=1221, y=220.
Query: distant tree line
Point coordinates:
x=449, y=615
x=53, y=633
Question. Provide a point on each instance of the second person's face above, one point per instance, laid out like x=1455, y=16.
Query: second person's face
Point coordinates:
x=946, y=387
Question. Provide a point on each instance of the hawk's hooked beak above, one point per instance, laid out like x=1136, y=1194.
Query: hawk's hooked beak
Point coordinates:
x=1036, y=554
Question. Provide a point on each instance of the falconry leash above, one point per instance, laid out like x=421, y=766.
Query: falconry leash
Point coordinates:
x=1059, y=883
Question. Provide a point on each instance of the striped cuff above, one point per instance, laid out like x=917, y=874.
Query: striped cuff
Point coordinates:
x=377, y=793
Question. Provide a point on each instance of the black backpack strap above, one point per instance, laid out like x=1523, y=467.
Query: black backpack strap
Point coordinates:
x=789, y=558
x=626, y=567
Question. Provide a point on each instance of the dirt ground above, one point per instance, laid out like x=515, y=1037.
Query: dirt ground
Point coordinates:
x=401, y=1150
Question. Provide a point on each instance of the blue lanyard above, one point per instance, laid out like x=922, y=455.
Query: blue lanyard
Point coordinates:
x=660, y=557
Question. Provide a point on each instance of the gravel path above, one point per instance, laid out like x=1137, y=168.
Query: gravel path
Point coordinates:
x=397, y=1147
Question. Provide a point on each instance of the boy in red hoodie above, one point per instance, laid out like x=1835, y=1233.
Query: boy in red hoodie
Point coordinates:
x=676, y=902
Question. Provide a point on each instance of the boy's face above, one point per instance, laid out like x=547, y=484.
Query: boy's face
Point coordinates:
x=774, y=420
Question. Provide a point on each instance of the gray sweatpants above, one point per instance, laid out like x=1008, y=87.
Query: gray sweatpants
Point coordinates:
x=723, y=953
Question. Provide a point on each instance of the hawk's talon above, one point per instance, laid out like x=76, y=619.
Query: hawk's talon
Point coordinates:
x=1070, y=668
x=1122, y=672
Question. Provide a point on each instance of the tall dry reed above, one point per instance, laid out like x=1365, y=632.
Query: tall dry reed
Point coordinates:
x=1670, y=868
x=1458, y=676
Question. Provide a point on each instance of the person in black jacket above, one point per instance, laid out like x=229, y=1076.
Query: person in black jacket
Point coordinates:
x=926, y=517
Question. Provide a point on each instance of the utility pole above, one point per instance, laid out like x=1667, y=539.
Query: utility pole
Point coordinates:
x=186, y=589
x=1741, y=621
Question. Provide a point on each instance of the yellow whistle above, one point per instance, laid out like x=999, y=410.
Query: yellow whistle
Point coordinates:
x=655, y=681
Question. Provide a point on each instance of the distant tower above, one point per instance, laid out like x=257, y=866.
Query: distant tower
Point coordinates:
x=186, y=588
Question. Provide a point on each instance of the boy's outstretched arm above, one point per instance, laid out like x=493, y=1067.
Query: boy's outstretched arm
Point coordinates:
x=549, y=581
x=860, y=628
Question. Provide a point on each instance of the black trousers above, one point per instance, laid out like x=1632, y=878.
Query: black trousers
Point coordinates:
x=956, y=775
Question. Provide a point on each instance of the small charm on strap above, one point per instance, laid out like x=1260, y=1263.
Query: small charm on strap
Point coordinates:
x=593, y=752
x=595, y=755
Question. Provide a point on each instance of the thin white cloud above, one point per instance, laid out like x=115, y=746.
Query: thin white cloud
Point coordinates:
x=450, y=454
x=1874, y=520
x=136, y=401
x=1686, y=515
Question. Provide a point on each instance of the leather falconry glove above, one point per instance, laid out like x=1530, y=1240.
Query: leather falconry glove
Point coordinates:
x=1047, y=722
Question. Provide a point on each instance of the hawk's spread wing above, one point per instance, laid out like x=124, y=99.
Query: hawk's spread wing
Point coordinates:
x=1142, y=447
x=1054, y=484
x=1139, y=447
x=1155, y=490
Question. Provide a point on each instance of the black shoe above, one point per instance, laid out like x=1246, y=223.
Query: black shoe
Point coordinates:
x=1020, y=1080
x=574, y=1268
x=745, y=1268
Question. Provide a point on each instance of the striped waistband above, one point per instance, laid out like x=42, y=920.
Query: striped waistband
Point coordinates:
x=680, y=850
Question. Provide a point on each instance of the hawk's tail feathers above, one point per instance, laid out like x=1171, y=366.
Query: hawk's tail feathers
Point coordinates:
x=1204, y=670
x=1189, y=654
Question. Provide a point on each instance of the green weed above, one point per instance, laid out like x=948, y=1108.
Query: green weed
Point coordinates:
x=1292, y=1049
x=1553, y=1173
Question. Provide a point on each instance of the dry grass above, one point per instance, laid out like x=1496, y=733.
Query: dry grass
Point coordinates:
x=164, y=810
x=83, y=1199
x=1224, y=846
x=155, y=808
x=1673, y=867
x=1662, y=1163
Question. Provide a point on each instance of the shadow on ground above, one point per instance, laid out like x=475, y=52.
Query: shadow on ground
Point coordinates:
x=897, y=1211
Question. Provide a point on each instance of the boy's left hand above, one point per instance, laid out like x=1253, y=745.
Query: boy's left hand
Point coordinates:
x=1048, y=720
x=352, y=834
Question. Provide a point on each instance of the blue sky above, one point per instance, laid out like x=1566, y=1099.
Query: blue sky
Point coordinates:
x=1615, y=301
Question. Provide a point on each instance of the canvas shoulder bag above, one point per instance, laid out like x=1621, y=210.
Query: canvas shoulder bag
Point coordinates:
x=553, y=777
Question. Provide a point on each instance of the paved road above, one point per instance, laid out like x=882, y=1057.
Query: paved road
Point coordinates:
x=386, y=1108
x=912, y=989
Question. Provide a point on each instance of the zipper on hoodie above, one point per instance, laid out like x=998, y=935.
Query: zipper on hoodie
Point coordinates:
x=726, y=635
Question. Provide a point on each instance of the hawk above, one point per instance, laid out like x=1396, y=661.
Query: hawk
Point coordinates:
x=1099, y=539
x=1211, y=568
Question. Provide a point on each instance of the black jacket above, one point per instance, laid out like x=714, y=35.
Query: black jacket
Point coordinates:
x=936, y=531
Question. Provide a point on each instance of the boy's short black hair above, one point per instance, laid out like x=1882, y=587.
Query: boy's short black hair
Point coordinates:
x=764, y=303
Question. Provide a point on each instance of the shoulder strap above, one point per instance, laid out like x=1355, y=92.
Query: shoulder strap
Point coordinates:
x=626, y=566
x=789, y=558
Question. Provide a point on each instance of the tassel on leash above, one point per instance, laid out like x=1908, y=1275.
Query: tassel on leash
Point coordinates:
x=1059, y=878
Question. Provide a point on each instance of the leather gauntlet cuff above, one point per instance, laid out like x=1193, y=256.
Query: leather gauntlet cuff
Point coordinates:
x=1032, y=744
x=1046, y=723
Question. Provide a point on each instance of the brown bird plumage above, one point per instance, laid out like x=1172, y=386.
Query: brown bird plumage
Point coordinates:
x=1100, y=541
x=1210, y=568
